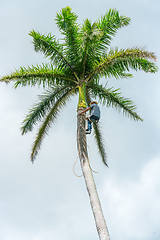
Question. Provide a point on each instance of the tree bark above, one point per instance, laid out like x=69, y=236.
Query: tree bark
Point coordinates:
x=88, y=177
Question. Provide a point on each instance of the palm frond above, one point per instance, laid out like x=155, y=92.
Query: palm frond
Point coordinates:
x=100, y=142
x=89, y=51
x=39, y=110
x=112, y=97
x=50, y=119
x=118, y=62
x=96, y=37
x=45, y=75
x=109, y=25
x=98, y=134
x=51, y=48
x=67, y=23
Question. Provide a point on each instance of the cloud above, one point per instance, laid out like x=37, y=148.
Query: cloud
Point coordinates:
x=134, y=206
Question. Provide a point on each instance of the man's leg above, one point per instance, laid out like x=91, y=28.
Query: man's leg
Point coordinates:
x=88, y=130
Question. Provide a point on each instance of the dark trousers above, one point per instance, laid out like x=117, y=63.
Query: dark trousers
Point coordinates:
x=90, y=120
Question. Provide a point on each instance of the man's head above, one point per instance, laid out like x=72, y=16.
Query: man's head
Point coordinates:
x=93, y=102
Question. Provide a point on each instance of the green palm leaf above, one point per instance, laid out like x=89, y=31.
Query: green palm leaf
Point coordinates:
x=45, y=75
x=67, y=23
x=96, y=37
x=109, y=24
x=111, y=97
x=89, y=51
x=117, y=62
x=100, y=142
x=39, y=111
x=50, y=119
x=51, y=48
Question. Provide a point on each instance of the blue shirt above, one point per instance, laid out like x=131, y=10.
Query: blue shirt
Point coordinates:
x=95, y=110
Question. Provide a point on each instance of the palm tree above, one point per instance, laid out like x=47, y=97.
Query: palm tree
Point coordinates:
x=77, y=63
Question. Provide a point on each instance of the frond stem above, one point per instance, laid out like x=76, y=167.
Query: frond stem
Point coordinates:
x=63, y=59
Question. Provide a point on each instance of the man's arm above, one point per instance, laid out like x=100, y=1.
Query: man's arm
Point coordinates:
x=87, y=109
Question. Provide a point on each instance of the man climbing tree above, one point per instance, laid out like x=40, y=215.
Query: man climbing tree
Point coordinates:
x=95, y=115
x=76, y=66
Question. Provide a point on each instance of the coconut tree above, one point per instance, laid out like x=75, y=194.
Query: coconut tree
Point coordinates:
x=77, y=63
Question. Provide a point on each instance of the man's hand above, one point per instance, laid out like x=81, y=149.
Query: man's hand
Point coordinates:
x=84, y=111
x=79, y=113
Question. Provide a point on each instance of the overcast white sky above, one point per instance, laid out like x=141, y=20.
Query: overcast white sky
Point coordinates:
x=45, y=200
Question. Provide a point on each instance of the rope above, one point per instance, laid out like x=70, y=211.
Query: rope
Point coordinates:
x=88, y=161
x=74, y=166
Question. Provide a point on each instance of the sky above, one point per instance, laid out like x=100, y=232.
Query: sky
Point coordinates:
x=45, y=200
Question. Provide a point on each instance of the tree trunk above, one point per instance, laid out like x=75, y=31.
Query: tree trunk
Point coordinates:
x=87, y=173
